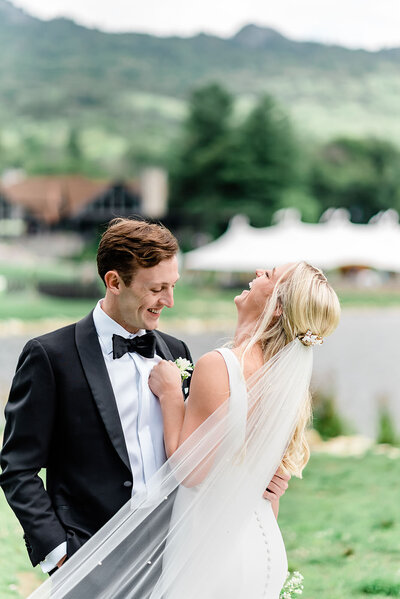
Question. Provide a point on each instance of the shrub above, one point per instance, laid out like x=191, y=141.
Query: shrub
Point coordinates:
x=381, y=587
x=71, y=290
x=327, y=420
x=386, y=429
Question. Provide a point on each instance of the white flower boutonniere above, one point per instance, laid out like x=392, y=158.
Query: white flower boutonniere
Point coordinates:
x=185, y=368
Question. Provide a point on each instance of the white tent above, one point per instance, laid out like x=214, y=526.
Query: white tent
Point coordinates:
x=334, y=242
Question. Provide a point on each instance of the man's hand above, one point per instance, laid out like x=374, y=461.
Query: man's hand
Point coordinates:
x=277, y=486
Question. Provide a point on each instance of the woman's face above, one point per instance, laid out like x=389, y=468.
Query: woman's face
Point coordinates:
x=251, y=303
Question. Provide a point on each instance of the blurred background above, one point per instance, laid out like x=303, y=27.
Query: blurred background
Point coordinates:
x=259, y=136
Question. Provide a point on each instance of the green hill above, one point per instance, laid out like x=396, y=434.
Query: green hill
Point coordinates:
x=126, y=93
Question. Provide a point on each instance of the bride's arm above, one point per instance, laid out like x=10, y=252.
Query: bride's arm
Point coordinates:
x=209, y=388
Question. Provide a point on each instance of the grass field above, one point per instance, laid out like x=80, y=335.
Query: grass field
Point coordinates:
x=197, y=298
x=341, y=526
x=202, y=303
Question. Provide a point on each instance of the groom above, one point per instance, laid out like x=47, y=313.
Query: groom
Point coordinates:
x=80, y=405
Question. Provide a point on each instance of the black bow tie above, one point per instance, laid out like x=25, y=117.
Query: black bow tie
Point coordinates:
x=145, y=345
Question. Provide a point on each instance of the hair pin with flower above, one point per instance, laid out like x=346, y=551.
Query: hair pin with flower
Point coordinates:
x=310, y=339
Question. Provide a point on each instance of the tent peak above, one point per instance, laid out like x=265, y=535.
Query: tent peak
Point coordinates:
x=385, y=218
x=335, y=216
x=286, y=216
x=239, y=222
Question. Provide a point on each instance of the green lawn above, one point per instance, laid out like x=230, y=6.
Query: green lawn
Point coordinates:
x=208, y=304
x=30, y=305
x=202, y=303
x=15, y=568
x=369, y=298
x=341, y=526
x=195, y=298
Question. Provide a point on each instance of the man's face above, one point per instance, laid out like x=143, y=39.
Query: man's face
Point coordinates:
x=151, y=289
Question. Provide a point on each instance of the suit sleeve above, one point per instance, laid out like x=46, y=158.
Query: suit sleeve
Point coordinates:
x=30, y=415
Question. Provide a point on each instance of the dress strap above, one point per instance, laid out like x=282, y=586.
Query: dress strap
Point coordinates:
x=237, y=387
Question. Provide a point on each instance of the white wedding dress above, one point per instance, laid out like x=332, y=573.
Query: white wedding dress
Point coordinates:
x=255, y=566
x=202, y=529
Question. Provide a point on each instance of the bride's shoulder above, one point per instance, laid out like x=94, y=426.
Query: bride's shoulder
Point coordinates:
x=212, y=360
x=210, y=372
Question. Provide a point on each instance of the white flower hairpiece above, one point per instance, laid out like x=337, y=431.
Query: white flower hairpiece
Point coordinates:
x=310, y=339
x=185, y=366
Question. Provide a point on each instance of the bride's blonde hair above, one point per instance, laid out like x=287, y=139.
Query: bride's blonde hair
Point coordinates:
x=302, y=300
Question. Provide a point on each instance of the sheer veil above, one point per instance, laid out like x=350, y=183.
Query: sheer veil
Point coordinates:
x=178, y=533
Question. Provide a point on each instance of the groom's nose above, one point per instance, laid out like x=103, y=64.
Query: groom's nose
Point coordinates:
x=167, y=298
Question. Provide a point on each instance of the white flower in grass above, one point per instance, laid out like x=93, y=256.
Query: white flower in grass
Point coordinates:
x=293, y=586
x=185, y=367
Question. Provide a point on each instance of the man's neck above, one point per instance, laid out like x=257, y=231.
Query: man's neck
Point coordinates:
x=116, y=316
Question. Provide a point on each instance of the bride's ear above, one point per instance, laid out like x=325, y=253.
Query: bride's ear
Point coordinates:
x=278, y=310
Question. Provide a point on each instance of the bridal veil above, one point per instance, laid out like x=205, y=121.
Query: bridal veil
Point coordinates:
x=221, y=470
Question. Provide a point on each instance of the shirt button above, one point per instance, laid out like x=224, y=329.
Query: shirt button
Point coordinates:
x=127, y=483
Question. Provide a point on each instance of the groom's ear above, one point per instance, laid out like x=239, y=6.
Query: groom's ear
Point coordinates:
x=113, y=282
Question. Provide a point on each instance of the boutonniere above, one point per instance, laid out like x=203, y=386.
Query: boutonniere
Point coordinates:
x=185, y=368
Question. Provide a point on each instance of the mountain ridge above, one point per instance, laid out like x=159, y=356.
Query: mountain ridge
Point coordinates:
x=251, y=34
x=14, y=13
x=130, y=89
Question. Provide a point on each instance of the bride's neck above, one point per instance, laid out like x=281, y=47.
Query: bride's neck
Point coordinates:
x=250, y=360
x=253, y=359
x=243, y=332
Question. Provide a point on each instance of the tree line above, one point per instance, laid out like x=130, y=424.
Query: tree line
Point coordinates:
x=259, y=164
x=225, y=162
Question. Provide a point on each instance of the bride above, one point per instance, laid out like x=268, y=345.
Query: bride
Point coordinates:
x=281, y=307
x=202, y=529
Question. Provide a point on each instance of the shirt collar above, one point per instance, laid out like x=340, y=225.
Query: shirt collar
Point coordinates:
x=106, y=327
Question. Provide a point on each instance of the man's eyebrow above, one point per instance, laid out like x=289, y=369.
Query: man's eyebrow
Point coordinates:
x=163, y=283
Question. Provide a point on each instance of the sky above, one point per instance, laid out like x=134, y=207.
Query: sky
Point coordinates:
x=370, y=24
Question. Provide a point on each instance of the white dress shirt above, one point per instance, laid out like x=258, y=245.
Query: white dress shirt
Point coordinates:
x=139, y=410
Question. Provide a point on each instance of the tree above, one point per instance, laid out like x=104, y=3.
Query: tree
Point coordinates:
x=198, y=177
x=224, y=169
x=362, y=175
x=73, y=151
x=264, y=164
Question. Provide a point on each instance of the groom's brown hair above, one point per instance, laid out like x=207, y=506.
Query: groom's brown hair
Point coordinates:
x=131, y=243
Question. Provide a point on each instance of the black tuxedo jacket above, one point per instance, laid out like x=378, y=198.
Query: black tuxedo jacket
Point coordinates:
x=62, y=416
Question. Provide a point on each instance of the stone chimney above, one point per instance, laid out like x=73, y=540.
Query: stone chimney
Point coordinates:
x=154, y=192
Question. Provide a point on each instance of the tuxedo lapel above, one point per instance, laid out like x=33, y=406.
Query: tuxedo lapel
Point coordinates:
x=162, y=348
x=96, y=373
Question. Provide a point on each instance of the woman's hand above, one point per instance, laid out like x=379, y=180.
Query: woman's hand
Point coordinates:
x=165, y=380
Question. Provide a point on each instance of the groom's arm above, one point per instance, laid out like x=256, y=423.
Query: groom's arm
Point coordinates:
x=30, y=414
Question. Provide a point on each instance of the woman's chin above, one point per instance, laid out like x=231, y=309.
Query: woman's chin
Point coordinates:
x=238, y=299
